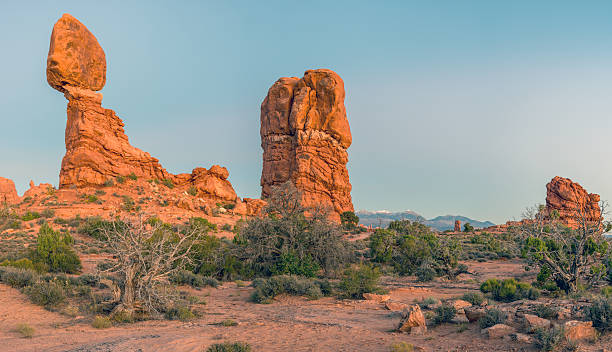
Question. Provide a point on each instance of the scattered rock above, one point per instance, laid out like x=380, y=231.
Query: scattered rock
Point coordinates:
x=533, y=322
x=375, y=297
x=474, y=313
x=498, y=331
x=460, y=305
x=304, y=136
x=411, y=318
x=579, y=330
x=460, y=319
x=567, y=198
x=522, y=338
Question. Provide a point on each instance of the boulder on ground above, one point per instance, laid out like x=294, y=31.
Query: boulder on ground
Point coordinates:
x=396, y=306
x=375, y=297
x=474, y=313
x=575, y=330
x=413, y=318
x=533, y=322
x=498, y=331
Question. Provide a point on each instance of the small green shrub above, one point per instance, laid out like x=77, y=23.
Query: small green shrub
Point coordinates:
x=509, y=290
x=444, y=314
x=192, y=191
x=425, y=272
x=132, y=176
x=30, y=215
x=168, y=183
x=229, y=322
x=402, y=347
x=54, y=250
x=101, y=322
x=545, y=311
x=360, y=280
x=109, y=183
x=607, y=291
x=25, y=330
x=492, y=317
x=473, y=297
x=549, y=339
x=120, y=179
x=267, y=289
x=600, y=313
x=47, y=213
x=428, y=302
x=17, y=277
x=229, y=347
x=181, y=313
x=186, y=277
x=46, y=294
x=226, y=227
x=23, y=263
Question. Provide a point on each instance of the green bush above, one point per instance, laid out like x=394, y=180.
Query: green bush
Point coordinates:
x=289, y=263
x=267, y=289
x=473, y=297
x=25, y=330
x=426, y=272
x=600, y=313
x=192, y=191
x=545, y=311
x=549, y=339
x=357, y=281
x=381, y=245
x=54, y=250
x=444, y=314
x=492, y=317
x=47, y=294
x=30, y=215
x=23, y=263
x=349, y=220
x=181, y=313
x=101, y=322
x=16, y=277
x=186, y=277
x=132, y=176
x=509, y=290
x=120, y=179
x=168, y=183
x=229, y=347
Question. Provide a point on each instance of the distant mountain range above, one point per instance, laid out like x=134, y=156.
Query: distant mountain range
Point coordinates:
x=382, y=218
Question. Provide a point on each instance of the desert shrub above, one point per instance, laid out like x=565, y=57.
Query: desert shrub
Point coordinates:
x=25, y=330
x=47, y=213
x=186, y=277
x=16, y=277
x=402, y=347
x=467, y=227
x=359, y=280
x=30, y=215
x=473, y=297
x=228, y=322
x=101, y=322
x=22, y=263
x=54, y=250
x=381, y=245
x=509, y=290
x=132, y=176
x=192, y=191
x=201, y=224
x=428, y=303
x=128, y=203
x=600, y=313
x=284, y=236
x=607, y=291
x=168, y=183
x=444, y=314
x=181, y=313
x=109, y=183
x=229, y=347
x=425, y=272
x=492, y=317
x=545, y=311
x=226, y=227
x=349, y=220
x=46, y=294
x=267, y=289
x=94, y=227
x=548, y=339
x=120, y=179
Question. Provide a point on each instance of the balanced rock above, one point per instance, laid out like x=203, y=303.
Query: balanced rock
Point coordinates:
x=571, y=202
x=8, y=192
x=304, y=136
x=457, y=225
x=97, y=148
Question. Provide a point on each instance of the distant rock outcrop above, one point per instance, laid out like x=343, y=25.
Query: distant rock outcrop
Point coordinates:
x=457, y=225
x=571, y=202
x=8, y=192
x=304, y=136
x=97, y=148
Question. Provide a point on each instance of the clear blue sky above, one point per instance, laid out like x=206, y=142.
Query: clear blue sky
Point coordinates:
x=456, y=107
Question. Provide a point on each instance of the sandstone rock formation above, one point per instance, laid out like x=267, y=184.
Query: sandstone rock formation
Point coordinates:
x=304, y=136
x=457, y=225
x=412, y=319
x=97, y=148
x=8, y=192
x=571, y=202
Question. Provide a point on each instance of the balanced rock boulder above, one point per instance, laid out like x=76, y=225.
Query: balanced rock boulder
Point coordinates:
x=305, y=135
x=8, y=192
x=97, y=148
x=571, y=202
x=413, y=320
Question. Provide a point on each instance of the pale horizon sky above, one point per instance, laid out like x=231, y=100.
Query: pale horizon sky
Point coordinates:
x=465, y=108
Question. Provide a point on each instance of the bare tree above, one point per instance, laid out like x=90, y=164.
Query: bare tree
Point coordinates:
x=571, y=253
x=147, y=254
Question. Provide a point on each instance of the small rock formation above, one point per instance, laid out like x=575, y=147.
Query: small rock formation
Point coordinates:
x=34, y=190
x=498, y=331
x=396, y=306
x=575, y=330
x=97, y=148
x=474, y=313
x=533, y=322
x=304, y=136
x=571, y=202
x=413, y=320
x=457, y=225
x=460, y=305
x=8, y=192
x=376, y=297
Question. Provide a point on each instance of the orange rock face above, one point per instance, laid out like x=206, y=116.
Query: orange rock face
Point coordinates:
x=97, y=148
x=571, y=202
x=8, y=192
x=304, y=136
x=75, y=57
